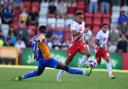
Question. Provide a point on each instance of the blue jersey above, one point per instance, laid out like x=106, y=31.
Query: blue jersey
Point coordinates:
x=44, y=55
x=43, y=50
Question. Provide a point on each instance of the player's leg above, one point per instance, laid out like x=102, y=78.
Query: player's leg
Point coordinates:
x=84, y=49
x=98, y=60
x=70, y=53
x=55, y=64
x=67, y=62
x=72, y=70
x=37, y=72
x=109, y=65
x=34, y=73
x=69, y=70
x=98, y=57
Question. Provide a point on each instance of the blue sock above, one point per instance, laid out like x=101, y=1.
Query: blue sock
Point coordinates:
x=31, y=74
x=75, y=71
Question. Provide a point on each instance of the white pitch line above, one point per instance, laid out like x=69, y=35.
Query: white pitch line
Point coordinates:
x=34, y=67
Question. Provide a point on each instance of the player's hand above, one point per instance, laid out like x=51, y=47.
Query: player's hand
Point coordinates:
x=103, y=46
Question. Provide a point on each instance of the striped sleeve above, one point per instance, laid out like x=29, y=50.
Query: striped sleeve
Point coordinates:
x=41, y=38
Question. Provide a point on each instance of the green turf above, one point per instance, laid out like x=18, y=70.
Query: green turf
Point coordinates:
x=98, y=80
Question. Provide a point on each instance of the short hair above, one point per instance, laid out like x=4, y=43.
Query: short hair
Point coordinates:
x=104, y=24
x=78, y=13
x=42, y=29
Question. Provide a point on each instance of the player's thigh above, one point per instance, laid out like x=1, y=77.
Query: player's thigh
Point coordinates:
x=70, y=55
x=53, y=63
x=41, y=67
x=106, y=56
x=98, y=57
x=72, y=51
x=84, y=49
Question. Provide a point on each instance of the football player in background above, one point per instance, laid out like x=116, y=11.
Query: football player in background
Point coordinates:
x=102, y=48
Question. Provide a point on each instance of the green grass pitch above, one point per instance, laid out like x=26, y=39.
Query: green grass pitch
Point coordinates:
x=98, y=80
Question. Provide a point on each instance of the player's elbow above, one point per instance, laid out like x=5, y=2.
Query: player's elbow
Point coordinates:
x=97, y=42
x=74, y=33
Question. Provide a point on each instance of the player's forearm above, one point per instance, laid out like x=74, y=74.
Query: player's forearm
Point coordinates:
x=97, y=43
x=100, y=45
x=86, y=30
x=74, y=33
x=35, y=49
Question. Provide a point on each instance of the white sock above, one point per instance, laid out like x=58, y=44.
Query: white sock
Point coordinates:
x=84, y=72
x=60, y=72
x=109, y=67
x=82, y=60
x=58, y=77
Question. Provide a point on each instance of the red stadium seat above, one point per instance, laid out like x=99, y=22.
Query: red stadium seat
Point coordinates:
x=107, y=15
x=67, y=34
x=33, y=28
x=88, y=21
x=15, y=19
x=80, y=0
x=14, y=26
x=27, y=5
x=88, y=15
x=96, y=29
x=106, y=20
x=71, y=10
x=97, y=15
x=37, y=4
x=80, y=5
x=16, y=11
x=97, y=21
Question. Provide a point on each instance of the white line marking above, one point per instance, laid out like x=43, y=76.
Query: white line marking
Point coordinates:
x=34, y=67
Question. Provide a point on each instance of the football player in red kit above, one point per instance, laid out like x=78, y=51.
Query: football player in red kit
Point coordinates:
x=78, y=43
x=101, y=48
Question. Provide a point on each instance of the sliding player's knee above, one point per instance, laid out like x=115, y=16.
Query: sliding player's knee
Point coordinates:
x=39, y=72
x=63, y=67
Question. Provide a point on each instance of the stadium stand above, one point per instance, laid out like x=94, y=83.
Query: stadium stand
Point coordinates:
x=21, y=15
